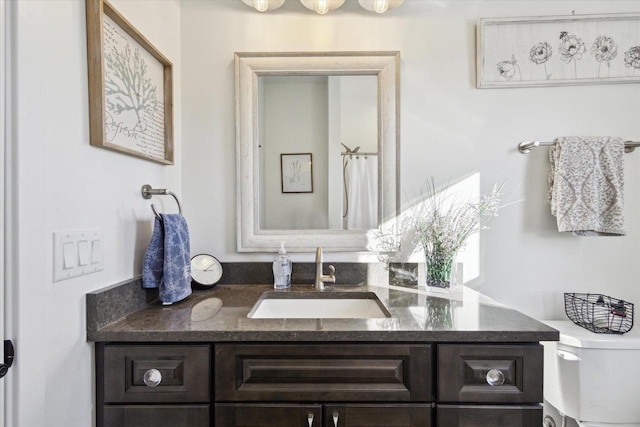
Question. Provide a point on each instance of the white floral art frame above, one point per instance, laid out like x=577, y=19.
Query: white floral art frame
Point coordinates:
x=558, y=50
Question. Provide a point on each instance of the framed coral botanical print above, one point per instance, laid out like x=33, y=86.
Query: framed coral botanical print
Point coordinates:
x=130, y=88
x=558, y=50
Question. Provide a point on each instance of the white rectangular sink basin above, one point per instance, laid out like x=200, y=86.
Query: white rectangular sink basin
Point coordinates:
x=331, y=305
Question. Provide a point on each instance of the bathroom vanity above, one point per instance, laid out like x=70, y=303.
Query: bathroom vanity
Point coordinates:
x=455, y=360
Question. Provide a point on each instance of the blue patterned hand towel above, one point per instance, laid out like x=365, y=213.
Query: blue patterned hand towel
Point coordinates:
x=166, y=262
x=586, y=185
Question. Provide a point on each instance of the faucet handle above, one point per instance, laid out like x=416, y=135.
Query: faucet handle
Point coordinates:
x=332, y=270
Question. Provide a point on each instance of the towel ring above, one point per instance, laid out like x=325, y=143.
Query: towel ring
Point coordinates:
x=147, y=192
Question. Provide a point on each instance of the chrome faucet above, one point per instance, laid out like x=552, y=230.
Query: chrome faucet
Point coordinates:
x=318, y=285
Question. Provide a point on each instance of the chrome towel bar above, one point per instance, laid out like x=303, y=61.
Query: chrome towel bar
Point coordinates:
x=357, y=153
x=147, y=192
x=525, y=147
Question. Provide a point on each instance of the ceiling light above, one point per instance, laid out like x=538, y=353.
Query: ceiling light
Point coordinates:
x=264, y=5
x=380, y=6
x=322, y=6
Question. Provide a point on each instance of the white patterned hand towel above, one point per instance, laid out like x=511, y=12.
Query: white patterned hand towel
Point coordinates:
x=586, y=183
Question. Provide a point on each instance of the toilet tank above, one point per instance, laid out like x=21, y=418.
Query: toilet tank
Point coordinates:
x=593, y=377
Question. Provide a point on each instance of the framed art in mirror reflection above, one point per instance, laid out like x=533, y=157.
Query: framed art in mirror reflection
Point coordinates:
x=296, y=172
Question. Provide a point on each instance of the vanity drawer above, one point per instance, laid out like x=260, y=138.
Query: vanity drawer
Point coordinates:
x=489, y=416
x=323, y=372
x=184, y=371
x=156, y=416
x=466, y=371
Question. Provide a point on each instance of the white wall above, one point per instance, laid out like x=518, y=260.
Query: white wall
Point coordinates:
x=359, y=112
x=63, y=183
x=449, y=130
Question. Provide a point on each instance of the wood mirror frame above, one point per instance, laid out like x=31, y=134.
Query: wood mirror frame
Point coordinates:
x=248, y=67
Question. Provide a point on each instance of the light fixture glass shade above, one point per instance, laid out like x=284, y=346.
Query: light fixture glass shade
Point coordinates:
x=261, y=5
x=380, y=6
x=322, y=6
x=264, y=5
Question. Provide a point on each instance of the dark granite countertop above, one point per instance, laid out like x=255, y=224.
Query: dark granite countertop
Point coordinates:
x=220, y=315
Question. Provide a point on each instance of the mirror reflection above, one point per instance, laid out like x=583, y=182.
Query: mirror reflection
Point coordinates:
x=318, y=152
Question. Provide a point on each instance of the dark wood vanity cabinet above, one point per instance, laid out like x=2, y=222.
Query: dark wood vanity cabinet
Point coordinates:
x=327, y=415
x=326, y=375
x=489, y=415
x=378, y=415
x=319, y=385
x=153, y=385
x=489, y=385
x=323, y=372
x=490, y=373
x=155, y=416
x=268, y=415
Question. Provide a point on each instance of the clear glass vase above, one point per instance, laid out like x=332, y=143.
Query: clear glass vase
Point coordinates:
x=439, y=271
x=439, y=313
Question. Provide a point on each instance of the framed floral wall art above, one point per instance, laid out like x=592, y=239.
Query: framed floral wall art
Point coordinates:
x=558, y=50
x=130, y=88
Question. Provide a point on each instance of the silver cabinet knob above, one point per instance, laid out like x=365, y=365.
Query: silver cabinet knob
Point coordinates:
x=152, y=377
x=310, y=420
x=495, y=377
x=335, y=419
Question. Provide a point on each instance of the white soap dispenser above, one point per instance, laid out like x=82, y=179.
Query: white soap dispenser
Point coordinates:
x=282, y=269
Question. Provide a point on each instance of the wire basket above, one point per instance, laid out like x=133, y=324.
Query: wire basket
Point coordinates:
x=599, y=313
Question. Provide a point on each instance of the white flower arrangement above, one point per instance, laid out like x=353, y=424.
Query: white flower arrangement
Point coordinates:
x=441, y=224
x=443, y=231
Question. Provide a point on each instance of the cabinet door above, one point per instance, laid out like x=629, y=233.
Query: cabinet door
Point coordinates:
x=379, y=415
x=323, y=373
x=155, y=416
x=490, y=373
x=489, y=416
x=181, y=373
x=268, y=415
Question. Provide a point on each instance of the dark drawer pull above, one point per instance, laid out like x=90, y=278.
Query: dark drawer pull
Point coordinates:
x=495, y=377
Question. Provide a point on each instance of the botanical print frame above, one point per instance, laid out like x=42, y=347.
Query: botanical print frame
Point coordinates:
x=558, y=50
x=296, y=172
x=130, y=88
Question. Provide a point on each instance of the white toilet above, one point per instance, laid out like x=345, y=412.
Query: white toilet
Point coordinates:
x=593, y=378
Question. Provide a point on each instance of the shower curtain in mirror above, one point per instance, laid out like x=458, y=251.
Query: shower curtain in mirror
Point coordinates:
x=361, y=192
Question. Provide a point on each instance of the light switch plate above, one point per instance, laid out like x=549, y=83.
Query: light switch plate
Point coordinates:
x=76, y=253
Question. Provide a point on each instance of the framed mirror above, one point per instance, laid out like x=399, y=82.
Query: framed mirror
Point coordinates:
x=325, y=124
